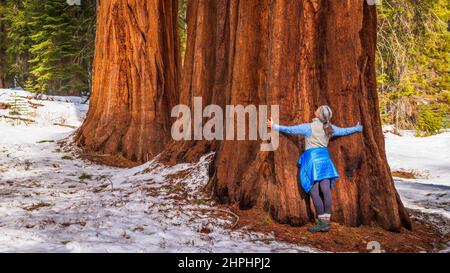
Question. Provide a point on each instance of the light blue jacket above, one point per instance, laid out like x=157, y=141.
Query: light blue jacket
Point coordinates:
x=305, y=129
x=314, y=134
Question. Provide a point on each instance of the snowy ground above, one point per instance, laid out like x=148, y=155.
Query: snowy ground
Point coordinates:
x=51, y=202
x=428, y=159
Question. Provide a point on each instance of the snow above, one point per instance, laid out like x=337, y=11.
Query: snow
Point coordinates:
x=47, y=206
x=427, y=157
x=63, y=110
x=425, y=197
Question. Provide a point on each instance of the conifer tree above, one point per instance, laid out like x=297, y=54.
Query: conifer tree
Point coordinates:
x=51, y=45
x=3, y=63
x=18, y=34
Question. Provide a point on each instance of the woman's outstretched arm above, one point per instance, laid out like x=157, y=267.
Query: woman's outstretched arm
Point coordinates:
x=338, y=131
x=301, y=129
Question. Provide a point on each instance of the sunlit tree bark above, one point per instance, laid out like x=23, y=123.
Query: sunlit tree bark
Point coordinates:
x=135, y=78
x=297, y=54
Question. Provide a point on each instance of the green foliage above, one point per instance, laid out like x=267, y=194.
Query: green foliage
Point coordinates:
x=431, y=120
x=50, y=44
x=18, y=38
x=266, y=219
x=18, y=106
x=182, y=26
x=3, y=46
x=200, y=202
x=85, y=176
x=413, y=60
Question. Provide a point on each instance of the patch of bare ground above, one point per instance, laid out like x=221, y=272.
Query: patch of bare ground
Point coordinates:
x=404, y=174
x=68, y=145
x=108, y=160
x=425, y=236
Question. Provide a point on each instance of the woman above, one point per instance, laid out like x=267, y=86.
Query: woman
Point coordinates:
x=317, y=171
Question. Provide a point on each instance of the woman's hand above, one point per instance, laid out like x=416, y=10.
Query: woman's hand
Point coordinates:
x=269, y=123
x=359, y=127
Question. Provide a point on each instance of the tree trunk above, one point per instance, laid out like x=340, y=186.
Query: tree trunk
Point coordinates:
x=206, y=70
x=297, y=54
x=135, y=78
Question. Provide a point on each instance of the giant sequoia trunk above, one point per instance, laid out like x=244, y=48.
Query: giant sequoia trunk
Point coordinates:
x=135, y=78
x=297, y=54
x=205, y=71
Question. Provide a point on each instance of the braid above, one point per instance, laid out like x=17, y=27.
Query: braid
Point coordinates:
x=325, y=117
x=328, y=129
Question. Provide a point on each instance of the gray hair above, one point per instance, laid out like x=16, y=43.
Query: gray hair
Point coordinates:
x=325, y=115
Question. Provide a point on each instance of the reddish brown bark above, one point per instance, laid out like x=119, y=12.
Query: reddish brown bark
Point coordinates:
x=135, y=78
x=206, y=70
x=297, y=54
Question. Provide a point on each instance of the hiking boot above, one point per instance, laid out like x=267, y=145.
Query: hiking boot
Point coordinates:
x=320, y=226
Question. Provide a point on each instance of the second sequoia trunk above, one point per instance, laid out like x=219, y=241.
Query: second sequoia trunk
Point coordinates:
x=206, y=70
x=299, y=54
x=135, y=78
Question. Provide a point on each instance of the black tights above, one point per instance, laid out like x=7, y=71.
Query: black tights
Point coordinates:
x=323, y=206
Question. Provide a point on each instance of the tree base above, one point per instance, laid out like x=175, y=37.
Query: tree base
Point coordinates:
x=341, y=238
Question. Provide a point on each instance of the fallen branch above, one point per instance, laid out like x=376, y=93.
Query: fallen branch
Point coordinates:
x=65, y=125
x=35, y=105
x=232, y=213
x=107, y=178
x=18, y=118
x=26, y=120
x=37, y=206
x=36, y=98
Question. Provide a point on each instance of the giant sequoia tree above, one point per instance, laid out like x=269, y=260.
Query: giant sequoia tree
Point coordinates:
x=302, y=54
x=299, y=55
x=135, y=78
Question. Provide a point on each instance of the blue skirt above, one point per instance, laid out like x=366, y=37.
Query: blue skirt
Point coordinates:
x=316, y=165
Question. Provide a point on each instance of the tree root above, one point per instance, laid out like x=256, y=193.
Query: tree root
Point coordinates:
x=232, y=213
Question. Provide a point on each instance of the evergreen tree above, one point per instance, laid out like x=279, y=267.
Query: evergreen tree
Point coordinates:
x=54, y=53
x=413, y=64
x=18, y=34
x=51, y=45
x=3, y=63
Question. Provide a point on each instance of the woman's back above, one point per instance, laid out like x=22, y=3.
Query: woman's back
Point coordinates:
x=318, y=137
